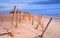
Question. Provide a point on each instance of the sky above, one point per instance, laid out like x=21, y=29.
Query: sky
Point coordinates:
x=41, y=7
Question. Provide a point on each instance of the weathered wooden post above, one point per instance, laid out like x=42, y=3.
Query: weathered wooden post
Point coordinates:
x=20, y=16
x=13, y=20
x=29, y=17
x=32, y=19
x=45, y=28
x=42, y=21
x=17, y=13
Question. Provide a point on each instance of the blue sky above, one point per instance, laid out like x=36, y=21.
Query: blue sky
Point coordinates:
x=45, y=7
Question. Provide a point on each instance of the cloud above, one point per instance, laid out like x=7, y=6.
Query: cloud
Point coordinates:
x=2, y=7
x=41, y=5
x=29, y=7
x=20, y=1
x=45, y=2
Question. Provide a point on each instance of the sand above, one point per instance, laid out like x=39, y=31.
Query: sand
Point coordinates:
x=26, y=30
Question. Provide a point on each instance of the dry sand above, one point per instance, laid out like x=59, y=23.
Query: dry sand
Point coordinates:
x=26, y=30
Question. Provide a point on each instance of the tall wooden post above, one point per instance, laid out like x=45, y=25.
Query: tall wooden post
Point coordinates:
x=42, y=20
x=17, y=18
x=13, y=20
x=20, y=16
x=41, y=23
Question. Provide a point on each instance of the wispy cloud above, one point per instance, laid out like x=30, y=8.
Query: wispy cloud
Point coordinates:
x=41, y=5
x=29, y=4
x=46, y=2
x=2, y=7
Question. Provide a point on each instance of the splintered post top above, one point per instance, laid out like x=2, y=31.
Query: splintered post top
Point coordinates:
x=14, y=9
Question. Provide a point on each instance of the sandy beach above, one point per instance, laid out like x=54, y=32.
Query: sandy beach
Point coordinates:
x=26, y=30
